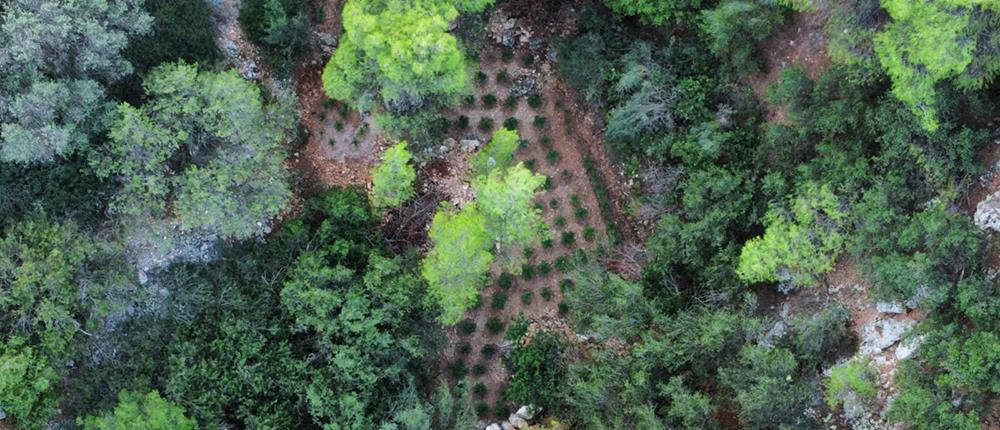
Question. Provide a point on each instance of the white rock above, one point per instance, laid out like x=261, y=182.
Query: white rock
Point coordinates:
x=908, y=347
x=507, y=426
x=988, y=213
x=879, y=335
x=517, y=421
x=890, y=307
x=527, y=412
x=493, y=426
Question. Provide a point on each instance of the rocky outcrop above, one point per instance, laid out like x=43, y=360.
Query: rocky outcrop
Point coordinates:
x=988, y=213
x=517, y=420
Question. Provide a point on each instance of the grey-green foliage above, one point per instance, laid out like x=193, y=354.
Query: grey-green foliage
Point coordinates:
x=205, y=149
x=647, y=98
x=57, y=57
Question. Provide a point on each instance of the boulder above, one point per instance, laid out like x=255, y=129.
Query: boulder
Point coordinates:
x=907, y=347
x=493, y=426
x=469, y=145
x=507, y=426
x=890, y=308
x=516, y=421
x=527, y=412
x=988, y=213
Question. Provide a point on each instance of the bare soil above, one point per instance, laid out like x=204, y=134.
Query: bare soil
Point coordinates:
x=561, y=159
x=801, y=43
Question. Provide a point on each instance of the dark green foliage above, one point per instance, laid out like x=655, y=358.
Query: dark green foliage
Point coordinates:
x=547, y=243
x=546, y=294
x=490, y=101
x=589, y=233
x=510, y=123
x=499, y=300
x=511, y=102
x=535, y=101
x=518, y=328
x=467, y=327
x=462, y=123
x=479, y=390
x=562, y=263
x=502, y=77
x=527, y=271
x=818, y=339
x=507, y=54
x=457, y=370
x=481, y=77
x=552, y=156
x=766, y=389
x=544, y=268
x=505, y=280
x=538, y=121
x=279, y=26
x=494, y=325
x=485, y=124
x=181, y=30
x=488, y=351
x=560, y=221
x=581, y=213
x=567, y=238
x=536, y=371
x=526, y=298
x=734, y=27
x=478, y=369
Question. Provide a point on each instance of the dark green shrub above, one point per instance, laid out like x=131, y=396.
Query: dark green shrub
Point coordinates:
x=481, y=77
x=526, y=298
x=494, y=325
x=546, y=294
x=547, y=185
x=511, y=102
x=478, y=369
x=562, y=263
x=339, y=126
x=574, y=200
x=501, y=410
x=469, y=100
x=485, y=124
x=568, y=238
x=457, y=370
x=479, y=390
x=467, y=327
x=490, y=101
x=527, y=271
x=510, y=123
x=563, y=308
x=499, y=300
x=546, y=141
x=482, y=409
x=280, y=27
x=503, y=77
x=554, y=203
x=462, y=123
x=536, y=371
x=488, y=351
x=589, y=233
x=565, y=285
x=507, y=54
x=464, y=348
x=538, y=121
x=505, y=280
x=518, y=328
x=535, y=101
x=544, y=268
x=182, y=30
x=530, y=163
x=547, y=243
x=552, y=156
x=580, y=213
x=528, y=60
x=528, y=253
x=560, y=221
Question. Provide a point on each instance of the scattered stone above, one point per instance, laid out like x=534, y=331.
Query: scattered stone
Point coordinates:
x=890, y=308
x=250, y=71
x=517, y=421
x=988, y=213
x=230, y=47
x=908, y=347
x=327, y=42
x=493, y=426
x=775, y=333
x=480, y=425
x=469, y=145
x=523, y=84
x=507, y=426
x=527, y=412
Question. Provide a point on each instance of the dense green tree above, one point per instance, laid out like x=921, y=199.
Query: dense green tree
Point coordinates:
x=392, y=179
x=279, y=26
x=397, y=53
x=767, y=390
x=204, y=149
x=457, y=264
x=52, y=98
x=497, y=154
x=146, y=412
x=504, y=198
x=181, y=31
x=734, y=27
x=657, y=12
x=29, y=385
x=798, y=247
x=536, y=371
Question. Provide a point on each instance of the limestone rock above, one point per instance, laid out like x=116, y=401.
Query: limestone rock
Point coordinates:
x=516, y=421
x=493, y=426
x=469, y=145
x=988, y=213
x=527, y=412
x=879, y=335
x=507, y=426
x=889, y=308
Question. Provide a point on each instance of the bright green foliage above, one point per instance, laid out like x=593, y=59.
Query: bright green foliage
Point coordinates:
x=656, y=12
x=923, y=44
x=689, y=410
x=56, y=59
x=205, y=149
x=504, y=198
x=459, y=260
x=50, y=274
x=498, y=154
x=734, y=28
x=399, y=52
x=142, y=412
x=28, y=385
x=392, y=179
x=853, y=377
x=800, y=246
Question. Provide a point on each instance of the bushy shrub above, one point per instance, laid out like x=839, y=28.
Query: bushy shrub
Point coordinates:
x=488, y=351
x=467, y=327
x=494, y=325
x=499, y=300
x=568, y=238
x=490, y=101
x=505, y=280
x=526, y=298
x=536, y=371
x=279, y=26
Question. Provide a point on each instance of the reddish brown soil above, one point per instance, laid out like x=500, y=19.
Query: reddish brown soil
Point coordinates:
x=564, y=129
x=802, y=42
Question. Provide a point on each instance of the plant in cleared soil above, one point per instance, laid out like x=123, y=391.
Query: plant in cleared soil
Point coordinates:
x=554, y=203
x=499, y=300
x=462, y=123
x=479, y=390
x=467, y=327
x=505, y=280
x=574, y=200
x=530, y=164
x=507, y=54
x=527, y=272
x=548, y=183
x=488, y=351
x=526, y=298
x=490, y=101
x=458, y=370
x=589, y=233
x=535, y=101
x=546, y=294
x=485, y=124
x=481, y=77
x=547, y=243
x=562, y=263
x=518, y=328
x=581, y=213
x=502, y=76
x=481, y=409
x=464, y=348
x=538, y=121
x=544, y=268
x=339, y=126
x=528, y=253
x=563, y=309
x=560, y=221
x=501, y=410
x=565, y=285
x=568, y=238
x=510, y=123
x=494, y=325
x=511, y=102
x=478, y=369
x=552, y=156
x=546, y=142
x=469, y=100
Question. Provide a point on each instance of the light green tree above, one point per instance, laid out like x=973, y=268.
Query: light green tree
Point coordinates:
x=392, y=179
x=398, y=53
x=28, y=385
x=800, y=246
x=498, y=154
x=56, y=60
x=141, y=412
x=851, y=378
x=458, y=261
x=204, y=149
x=504, y=198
